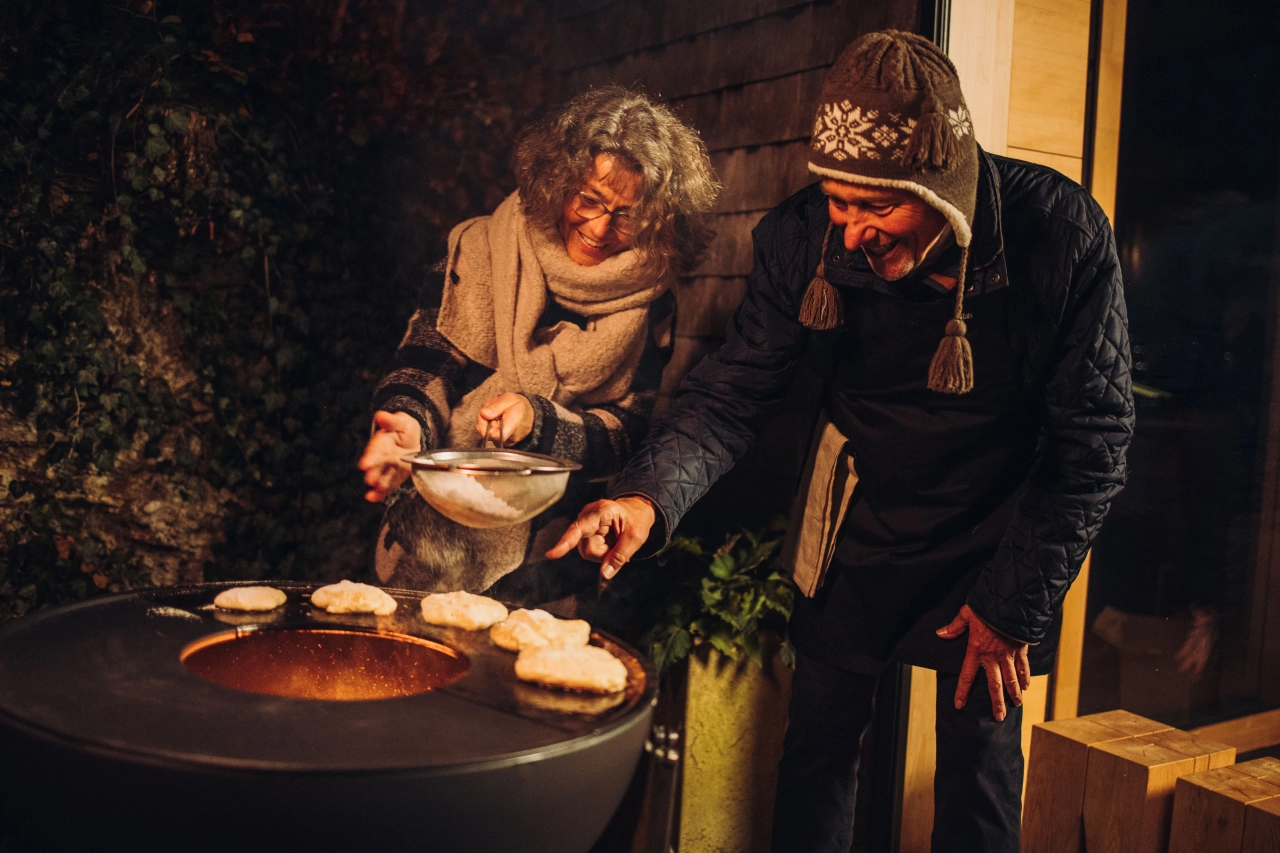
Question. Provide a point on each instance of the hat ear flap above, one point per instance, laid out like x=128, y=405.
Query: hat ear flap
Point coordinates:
x=933, y=144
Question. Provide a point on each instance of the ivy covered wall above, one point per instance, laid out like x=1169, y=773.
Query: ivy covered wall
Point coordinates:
x=215, y=217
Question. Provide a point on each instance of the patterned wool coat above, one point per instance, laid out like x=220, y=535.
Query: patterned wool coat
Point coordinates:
x=428, y=376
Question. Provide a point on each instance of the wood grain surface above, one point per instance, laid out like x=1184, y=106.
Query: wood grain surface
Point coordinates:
x=1209, y=808
x=1262, y=827
x=1053, y=804
x=1129, y=790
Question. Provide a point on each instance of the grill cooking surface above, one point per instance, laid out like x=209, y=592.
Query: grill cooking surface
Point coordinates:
x=109, y=674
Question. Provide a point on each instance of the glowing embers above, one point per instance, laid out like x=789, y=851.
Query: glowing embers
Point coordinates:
x=324, y=663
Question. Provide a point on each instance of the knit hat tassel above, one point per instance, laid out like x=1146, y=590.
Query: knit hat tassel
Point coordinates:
x=933, y=144
x=951, y=371
x=822, y=308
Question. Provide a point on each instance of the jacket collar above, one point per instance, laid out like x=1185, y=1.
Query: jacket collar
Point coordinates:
x=987, y=268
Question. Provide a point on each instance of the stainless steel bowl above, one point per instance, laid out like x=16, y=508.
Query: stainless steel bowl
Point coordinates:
x=490, y=488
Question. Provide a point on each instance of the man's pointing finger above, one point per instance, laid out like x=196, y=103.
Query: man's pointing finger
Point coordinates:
x=570, y=539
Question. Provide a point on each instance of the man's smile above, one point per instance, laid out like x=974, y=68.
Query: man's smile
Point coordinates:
x=880, y=250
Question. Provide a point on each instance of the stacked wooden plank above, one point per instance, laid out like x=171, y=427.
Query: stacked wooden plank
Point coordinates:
x=1233, y=809
x=1105, y=783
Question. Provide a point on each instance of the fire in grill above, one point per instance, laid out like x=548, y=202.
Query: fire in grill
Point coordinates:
x=324, y=663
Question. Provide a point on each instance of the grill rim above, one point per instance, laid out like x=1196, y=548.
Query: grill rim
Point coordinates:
x=186, y=762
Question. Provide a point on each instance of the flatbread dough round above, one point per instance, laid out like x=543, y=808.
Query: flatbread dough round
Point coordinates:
x=463, y=610
x=347, y=597
x=538, y=698
x=529, y=629
x=590, y=669
x=250, y=598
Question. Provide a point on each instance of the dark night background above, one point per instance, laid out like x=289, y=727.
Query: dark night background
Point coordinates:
x=1196, y=228
x=216, y=219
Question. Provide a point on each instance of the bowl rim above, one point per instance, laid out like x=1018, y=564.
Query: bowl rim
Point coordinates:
x=467, y=460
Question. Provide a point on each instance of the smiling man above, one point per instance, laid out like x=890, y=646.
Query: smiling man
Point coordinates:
x=978, y=381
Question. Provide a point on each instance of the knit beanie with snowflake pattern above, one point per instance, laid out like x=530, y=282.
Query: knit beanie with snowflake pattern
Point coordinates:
x=891, y=114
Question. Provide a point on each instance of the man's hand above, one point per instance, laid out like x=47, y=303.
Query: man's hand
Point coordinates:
x=1197, y=648
x=1005, y=661
x=514, y=414
x=396, y=436
x=627, y=520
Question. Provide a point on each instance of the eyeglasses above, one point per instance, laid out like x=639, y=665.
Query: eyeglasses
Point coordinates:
x=592, y=208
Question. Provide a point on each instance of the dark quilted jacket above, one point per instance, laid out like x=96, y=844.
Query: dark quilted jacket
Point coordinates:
x=1033, y=228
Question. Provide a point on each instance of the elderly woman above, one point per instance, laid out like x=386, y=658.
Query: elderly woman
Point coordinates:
x=553, y=330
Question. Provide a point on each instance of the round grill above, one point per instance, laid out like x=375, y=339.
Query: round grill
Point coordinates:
x=174, y=725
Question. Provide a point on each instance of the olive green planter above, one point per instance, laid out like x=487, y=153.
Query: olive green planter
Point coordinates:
x=735, y=717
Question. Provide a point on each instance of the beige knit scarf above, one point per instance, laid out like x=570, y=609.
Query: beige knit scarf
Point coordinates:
x=504, y=270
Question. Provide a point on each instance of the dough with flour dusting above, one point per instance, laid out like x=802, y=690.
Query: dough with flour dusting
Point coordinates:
x=256, y=598
x=529, y=629
x=347, y=597
x=463, y=610
x=589, y=669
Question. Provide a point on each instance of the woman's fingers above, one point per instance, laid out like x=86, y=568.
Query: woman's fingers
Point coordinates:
x=513, y=414
x=383, y=459
x=509, y=429
x=403, y=429
x=388, y=421
x=383, y=481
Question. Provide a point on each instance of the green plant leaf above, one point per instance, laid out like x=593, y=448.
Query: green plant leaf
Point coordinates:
x=722, y=565
x=725, y=644
x=788, y=653
x=674, y=649
x=155, y=148
x=176, y=121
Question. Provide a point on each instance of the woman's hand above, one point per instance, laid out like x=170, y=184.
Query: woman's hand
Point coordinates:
x=396, y=436
x=514, y=414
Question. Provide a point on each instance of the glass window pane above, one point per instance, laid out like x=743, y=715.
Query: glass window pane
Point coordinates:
x=1176, y=603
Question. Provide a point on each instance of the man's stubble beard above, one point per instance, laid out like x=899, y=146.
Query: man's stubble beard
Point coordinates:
x=891, y=270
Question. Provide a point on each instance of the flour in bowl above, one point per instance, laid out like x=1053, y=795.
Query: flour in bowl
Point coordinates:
x=463, y=492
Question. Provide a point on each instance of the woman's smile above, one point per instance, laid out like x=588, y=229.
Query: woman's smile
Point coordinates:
x=590, y=241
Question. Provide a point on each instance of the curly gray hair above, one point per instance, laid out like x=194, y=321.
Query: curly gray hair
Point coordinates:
x=677, y=186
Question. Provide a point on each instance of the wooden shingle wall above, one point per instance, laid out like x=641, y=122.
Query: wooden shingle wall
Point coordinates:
x=746, y=75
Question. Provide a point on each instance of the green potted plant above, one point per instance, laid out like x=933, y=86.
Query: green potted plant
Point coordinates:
x=726, y=615
x=733, y=598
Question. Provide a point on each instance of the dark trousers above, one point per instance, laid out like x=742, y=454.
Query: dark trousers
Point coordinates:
x=977, y=790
